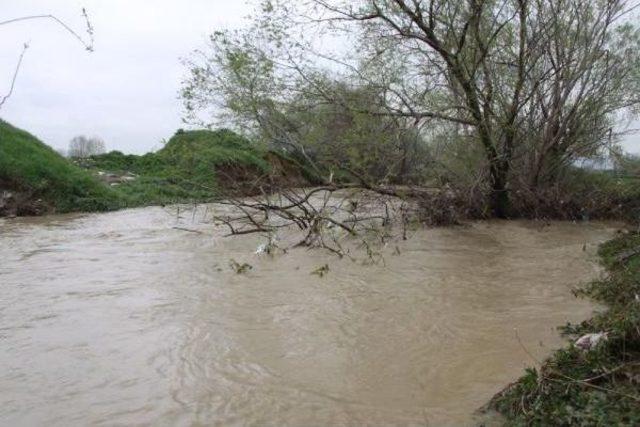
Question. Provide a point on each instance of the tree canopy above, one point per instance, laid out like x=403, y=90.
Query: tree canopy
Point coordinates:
x=534, y=84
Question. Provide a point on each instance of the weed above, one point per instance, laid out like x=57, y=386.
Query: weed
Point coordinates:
x=600, y=386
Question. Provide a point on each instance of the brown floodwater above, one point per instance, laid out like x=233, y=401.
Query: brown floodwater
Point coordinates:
x=121, y=319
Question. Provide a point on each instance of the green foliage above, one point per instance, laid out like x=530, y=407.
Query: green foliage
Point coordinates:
x=629, y=165
x=114, y=161
x=321, y=271
x=596, y=387
x=240, y=268
x=532, y=86
x=30, y=167
x=347, y=139
x=334, y=127
x=459, y=162
x=188, y=156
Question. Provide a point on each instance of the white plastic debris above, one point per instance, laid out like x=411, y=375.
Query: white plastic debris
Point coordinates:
x=590, y=341
x=267, y=247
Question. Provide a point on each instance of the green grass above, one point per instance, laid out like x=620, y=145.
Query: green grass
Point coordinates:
x=187, y=169
x=189, y=156
x=194, y=155
x=35, y=170
x=597, y=387
x=184, y=170
x=150, y=190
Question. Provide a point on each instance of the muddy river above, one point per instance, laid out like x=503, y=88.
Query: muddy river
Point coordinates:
x=122, y=318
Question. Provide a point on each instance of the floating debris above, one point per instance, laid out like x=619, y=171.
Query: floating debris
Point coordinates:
x=268, y=247
x=590, y=341
x=321, y=271
x=188, y=229
x=239, y=268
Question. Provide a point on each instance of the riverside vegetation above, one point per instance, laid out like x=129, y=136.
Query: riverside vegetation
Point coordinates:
x=193, y=166
x=599, y=386
x=34, y=179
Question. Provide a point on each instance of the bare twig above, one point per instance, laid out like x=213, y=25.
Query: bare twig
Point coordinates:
x=88, y=44
x=15, y=75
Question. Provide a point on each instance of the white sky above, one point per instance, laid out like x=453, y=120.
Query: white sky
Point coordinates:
x=127, y=90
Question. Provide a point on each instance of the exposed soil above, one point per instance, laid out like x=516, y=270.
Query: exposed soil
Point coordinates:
x=16, y=202
x=249, y=180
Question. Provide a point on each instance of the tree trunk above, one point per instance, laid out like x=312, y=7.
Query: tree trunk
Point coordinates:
x=500, y=202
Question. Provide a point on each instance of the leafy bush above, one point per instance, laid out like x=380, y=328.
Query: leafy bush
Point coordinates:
x=581, y=194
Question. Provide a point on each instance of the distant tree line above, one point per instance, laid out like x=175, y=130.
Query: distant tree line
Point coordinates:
x=81, y=147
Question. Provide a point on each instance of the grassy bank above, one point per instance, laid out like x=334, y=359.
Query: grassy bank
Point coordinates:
x=198, y=166
x=193, y=166
x=189, y=157
x=600, y=386
x=34, y=179
x=186, y=169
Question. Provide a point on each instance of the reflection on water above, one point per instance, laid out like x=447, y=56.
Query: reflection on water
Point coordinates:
x=120, y=318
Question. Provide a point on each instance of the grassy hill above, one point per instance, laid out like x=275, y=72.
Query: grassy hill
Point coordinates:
x=200, y=165
x=197, y=155
x=34, y=179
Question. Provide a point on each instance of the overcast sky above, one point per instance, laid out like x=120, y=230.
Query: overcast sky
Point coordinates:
x=127, y=90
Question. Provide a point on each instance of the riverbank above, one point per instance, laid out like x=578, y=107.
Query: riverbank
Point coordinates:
x=35, y=180
x=193, y=167
x=595, y=380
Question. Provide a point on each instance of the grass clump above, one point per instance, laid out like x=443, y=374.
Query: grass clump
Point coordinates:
x=600, y=386
x=40, y=180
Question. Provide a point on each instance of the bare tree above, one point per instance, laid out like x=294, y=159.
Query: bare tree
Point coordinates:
x=533, y=83
x=83, y=147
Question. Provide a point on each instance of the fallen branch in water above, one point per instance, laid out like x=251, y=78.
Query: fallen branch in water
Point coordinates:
x=325, y=216
x=187, y=229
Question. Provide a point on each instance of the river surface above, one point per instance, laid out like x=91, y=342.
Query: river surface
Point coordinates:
x=122, y=319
